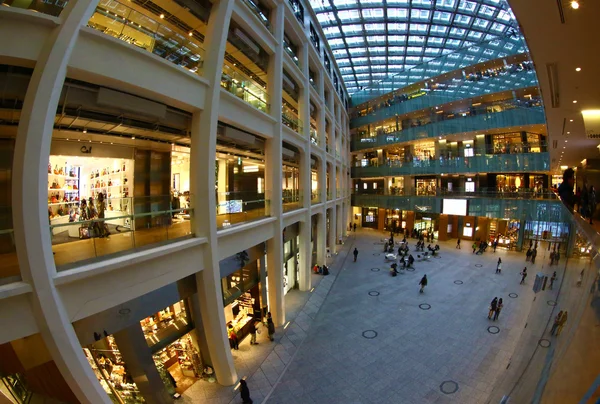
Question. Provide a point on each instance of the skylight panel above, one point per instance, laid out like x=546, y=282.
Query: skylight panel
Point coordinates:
x=442, y=16
x=505, y=16
x=359, y=60
x=325, y=17
x=432, y=51
x=347, y=77
x=395, y=59
x=509, y=46
x=345, y=2
x=417, y=14
x=398, y=2
x=474, y=35
x=378, y=68
x=361, y=68
x=357, y=52
x=396, y=49
x=343, y=62
x=481, y=23
x=363, y=76
x=413, y=59
x=487, y=10
x=351, y=29
x=335, y=42
x=317, y=5
x=340, y=53
x=438, y=29
x=458, y=31
x=396, y=28
x=453, y=43
x=372, y=13
x=465, y=5
x=333, y=31
x=347, y=16
x=376, y=39
x=445, y=4
x=374, y=27
x=434, y=40
x=462, y=19
x=371, y=2
x=380, y=50
x=416, y=28
x=497, y=27
x=345, y=70
x=416, y=39
x=355, y=40
x=414, y=50
x=488, y=52
x=397, y=39
x=400, y=13
x=426, y=3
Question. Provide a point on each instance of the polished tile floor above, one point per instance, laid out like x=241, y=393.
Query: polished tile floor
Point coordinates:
x=363, y=336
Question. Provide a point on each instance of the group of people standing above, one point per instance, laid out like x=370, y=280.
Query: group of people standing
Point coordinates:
x=495, y=308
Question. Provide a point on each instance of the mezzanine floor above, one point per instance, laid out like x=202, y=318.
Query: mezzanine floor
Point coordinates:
x=323, y=357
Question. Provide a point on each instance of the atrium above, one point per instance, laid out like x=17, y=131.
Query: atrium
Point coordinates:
x=204, y=196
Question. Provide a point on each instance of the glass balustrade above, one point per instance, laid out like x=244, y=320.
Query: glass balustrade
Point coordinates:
x=234, y=208
x=441, y=92
x=314, y=137
x=291, y=199
x=259, y=13
x=123, y=22
x=509, y=114
x=315, y=197
x=9, y=264
x=292, y=122
x=245, y=89
x=495, y=163
x=121, y=225
x=290, y=52
x=53, y=8
x=491, y=204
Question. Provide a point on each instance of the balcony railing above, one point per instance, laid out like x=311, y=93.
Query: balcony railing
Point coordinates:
x=291, y=199
x=235, y=208
x=455, y=90
x=259, y=13
x=511, y=115
x=128, y=224
x=292, y=122
x=143, y=31
x=50, y=8
x=245, y=89
x=493, y=204
x=490, y=163
x=314, y=136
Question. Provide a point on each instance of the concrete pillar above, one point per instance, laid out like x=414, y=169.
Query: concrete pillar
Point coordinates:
x=202, y=187
x=332, y=229
x=29, y=196
x=140, y=365
x=275, y=279
x=304, y=279
x=321, y=237
x=199, y=332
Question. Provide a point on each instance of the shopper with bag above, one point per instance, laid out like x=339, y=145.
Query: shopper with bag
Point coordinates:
x=253, y=332
x=498, y=309
x=245, y=392
x=493, y=306
x=523, y=276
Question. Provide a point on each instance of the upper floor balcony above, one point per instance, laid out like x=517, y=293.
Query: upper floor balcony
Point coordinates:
x=524, y=204
x=478, y=163
x=455, y=89
x=504, y=114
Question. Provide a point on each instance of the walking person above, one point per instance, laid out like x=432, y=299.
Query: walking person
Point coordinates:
x=245, y=392
x=580, y=280
x=355, y=253
x=562, y=322
x=493, y=306
x=499, y=266
x=355, y=227
x=556, y=322
x=458, y=243
x=498, y=309
x=533, y=255
x=495, y=244
x=233, y=339
x=528, y=254
x=523, y=276
x=552, y=279
x=423, y=283
x=474, y=247
x=270, y=326
x=253, y=331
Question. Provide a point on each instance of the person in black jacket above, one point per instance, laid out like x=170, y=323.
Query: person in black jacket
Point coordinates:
x=245, y=392
x=565, y=189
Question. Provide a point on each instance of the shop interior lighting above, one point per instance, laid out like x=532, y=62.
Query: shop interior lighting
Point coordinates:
x=162, y=16
x=578, y=69
x=574, y=4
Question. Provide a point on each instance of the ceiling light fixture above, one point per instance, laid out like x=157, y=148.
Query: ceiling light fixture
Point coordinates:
x=162, y=16
x=574, y=4
x=191, y=33
x=574, y=101
x=85, y=131
x=570, y=120
x=578, y=69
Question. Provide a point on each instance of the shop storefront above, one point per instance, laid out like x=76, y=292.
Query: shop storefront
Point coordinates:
x=242, y=299
x=107, y=363
x=370, y=217
x=161, y=325
x=396, y=185
x=424, y=151
x=426, y=186
x=510, y=182
x=427, y=223
x=506, y=232
x=543, y=234
x=179, y=364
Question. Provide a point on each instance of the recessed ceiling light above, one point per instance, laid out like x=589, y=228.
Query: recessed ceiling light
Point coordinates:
x=570, y=120
x=191, y=33
x=566, y=141
x=162, y=16
x=574, y=4
x=133, y=137
x=85, y=131
x=568, y=133
x=574, y=101
x=578, y=69
x=564, y=147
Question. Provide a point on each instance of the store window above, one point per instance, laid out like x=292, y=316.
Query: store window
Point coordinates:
x=179, y=364
x=424, y=150
x=396, y=185
x=510, y=183
x=426, y=186
x=242, y=312
x=167, y=322
x=107, y=363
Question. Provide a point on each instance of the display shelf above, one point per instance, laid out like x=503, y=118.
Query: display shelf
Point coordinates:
x=62, y=203
x=64, y=190
x=67, y=177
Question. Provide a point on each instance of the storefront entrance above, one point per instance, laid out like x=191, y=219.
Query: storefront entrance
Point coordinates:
x=179, y=364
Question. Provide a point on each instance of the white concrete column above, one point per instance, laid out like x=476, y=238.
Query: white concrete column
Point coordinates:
x=273, y=174
x=202, y=186
x=322, y=178
x=340, y=225
x=304, y=279
x=321, y=243
x=29, y=196
x=332, y=230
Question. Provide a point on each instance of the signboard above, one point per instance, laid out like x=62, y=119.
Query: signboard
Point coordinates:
x=591, y=120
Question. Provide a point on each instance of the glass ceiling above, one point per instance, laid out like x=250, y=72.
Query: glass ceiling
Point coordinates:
x=375, y=39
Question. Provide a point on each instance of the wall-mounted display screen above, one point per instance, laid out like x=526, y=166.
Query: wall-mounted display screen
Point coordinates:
x=455, y=207
x=467, y=232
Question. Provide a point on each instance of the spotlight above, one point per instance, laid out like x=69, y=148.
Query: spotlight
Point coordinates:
x=574, y=4
x=578, y=69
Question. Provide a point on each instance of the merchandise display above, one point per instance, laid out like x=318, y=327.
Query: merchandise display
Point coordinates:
x=181, y=359
x=159, y=325
x=75, y=186
x=107, y=363
x=241, y=313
